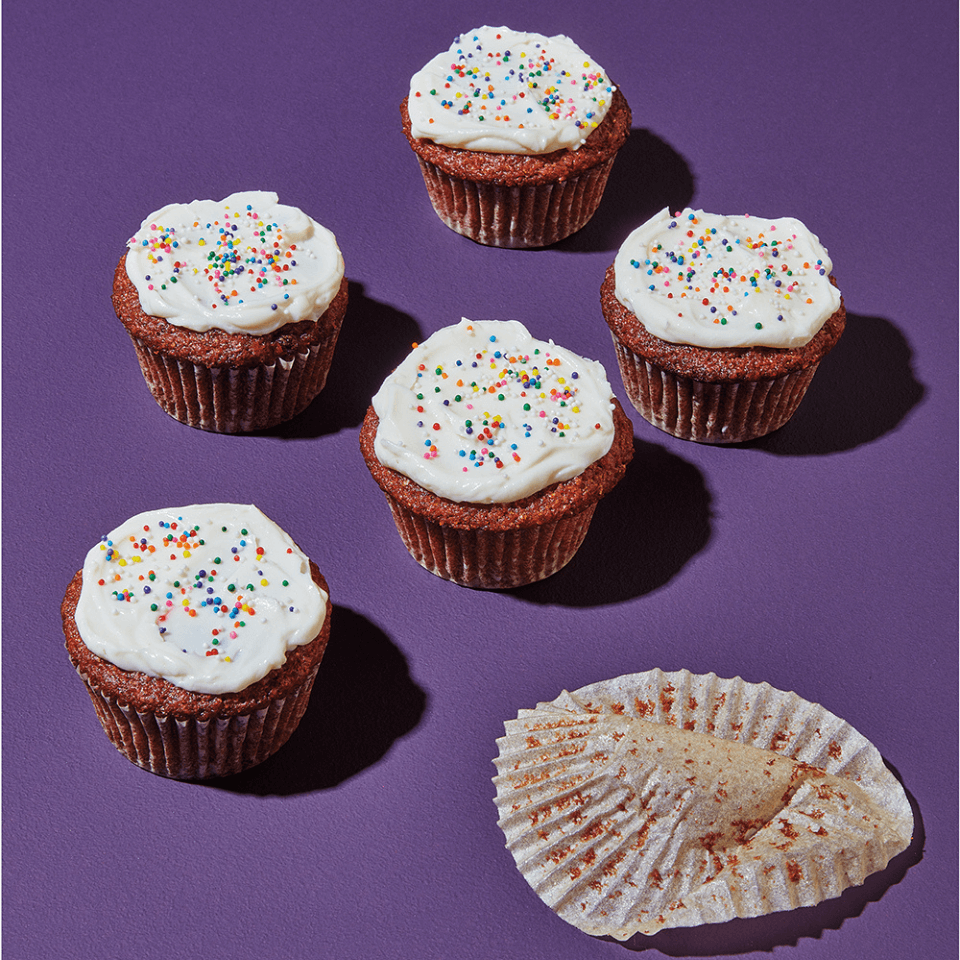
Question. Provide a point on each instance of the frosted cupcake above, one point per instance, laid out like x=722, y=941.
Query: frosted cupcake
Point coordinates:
x=198, y=632
x=720, y=322
x=493, y=449
x=516, y=134
x=234, y=308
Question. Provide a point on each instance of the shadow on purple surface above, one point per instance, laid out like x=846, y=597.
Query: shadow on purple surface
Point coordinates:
x=862, y=390
x=788, y=927
x=647, y=176
x=642, y=535
x=363, y=700
x=356, y=372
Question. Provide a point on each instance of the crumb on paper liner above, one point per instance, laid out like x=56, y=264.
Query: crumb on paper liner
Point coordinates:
x=660, y=800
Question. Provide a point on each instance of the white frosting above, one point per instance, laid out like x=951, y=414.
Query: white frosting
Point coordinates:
x=210, y=597
x=246, y=264
x=482, y=412
x=716, y=281
x=499, y=91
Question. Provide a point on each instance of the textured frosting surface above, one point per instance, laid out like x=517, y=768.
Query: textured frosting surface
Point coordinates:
x=209, y=597
x=245, y=264
x=715, y=281
x=500, y=91
x=482, y=412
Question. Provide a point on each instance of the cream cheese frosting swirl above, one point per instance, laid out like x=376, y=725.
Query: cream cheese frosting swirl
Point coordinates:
x=209, y=597
x=245, y=264
x=499, y=91
x=482, y=412
x=714, y=281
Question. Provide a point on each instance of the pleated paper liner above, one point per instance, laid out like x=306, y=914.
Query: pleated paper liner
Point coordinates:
x=224, y=400
x=198, y=749
x=722, y=412
x=516, y=217
x=660, y=800
x=491, y=559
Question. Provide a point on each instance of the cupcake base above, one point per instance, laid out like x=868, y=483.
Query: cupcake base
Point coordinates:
x=491, y=559
x=726, y=395
x=191, y=749
x=516, y=200
x=710, y=412
x=515, y=217
x=192, y=736
x=498, y=546
x=224, y=400
x=230, y=383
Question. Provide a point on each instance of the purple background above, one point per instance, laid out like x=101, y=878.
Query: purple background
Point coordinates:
x=821, y=559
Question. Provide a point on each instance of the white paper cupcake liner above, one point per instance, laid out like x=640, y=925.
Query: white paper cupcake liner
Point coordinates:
x=663, y=800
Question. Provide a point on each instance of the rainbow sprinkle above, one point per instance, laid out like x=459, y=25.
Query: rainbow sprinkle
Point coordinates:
x=508, y=86
x=247, y=254
x=206, y=606
x=481, y=393
x=684, y=271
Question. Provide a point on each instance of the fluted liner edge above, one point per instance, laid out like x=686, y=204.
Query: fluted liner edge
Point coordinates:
x=534, y=215
x=491, y=559
x=718, y=412
x=225, y=400
x=194, y=749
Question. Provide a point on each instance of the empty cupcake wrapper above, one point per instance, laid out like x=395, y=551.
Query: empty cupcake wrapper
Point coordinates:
x=659, y=800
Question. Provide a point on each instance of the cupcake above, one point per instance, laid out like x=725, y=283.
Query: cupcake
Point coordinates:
x=198, y=632
x=659, y=800
x=493, y=450
x=516, y=134
x=720, y=322
x=234, y=308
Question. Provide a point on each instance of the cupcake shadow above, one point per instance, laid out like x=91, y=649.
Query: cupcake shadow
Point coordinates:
x=647, y=176
x=787, y=928
x=862, y=390
x=642, y=535
x=363, y=700
x=356, y=374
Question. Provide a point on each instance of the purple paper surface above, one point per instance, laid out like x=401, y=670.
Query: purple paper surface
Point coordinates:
x=821, y=559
